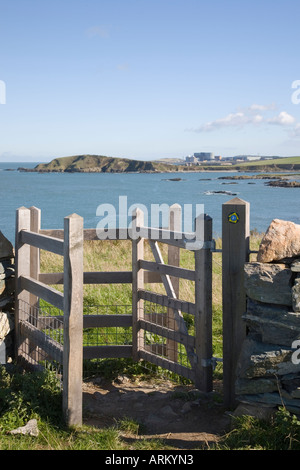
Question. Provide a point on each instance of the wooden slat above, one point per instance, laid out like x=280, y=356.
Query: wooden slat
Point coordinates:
x=170, y=237
x=35, y=225
x=47, y=344
x=43, y=242
x=73, y=321
x=22, y=263
x=168, y=270
x=175, y=238
x=186, y=340
x=166, y=301
x=101, y=278
x=107, y=352
x=54, y=233
x=92, y=233
x=124, y=277
x=51, y=278
x=89, y=321
x=42, y=290
x=203, y=313
x=167, y=364
x=175, y=221
x=137, y=283
x=109, y=321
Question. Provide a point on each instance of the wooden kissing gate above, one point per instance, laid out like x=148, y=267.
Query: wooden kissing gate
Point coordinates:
x=67, y=350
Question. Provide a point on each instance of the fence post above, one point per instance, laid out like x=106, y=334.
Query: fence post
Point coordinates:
x=173, y=260
x=203, y=310
x=235, y=252
x=137, y=283
x=35, y=225
x=73, y=320
x=22, y=268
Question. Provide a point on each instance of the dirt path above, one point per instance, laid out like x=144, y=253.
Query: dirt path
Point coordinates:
x=179, y=415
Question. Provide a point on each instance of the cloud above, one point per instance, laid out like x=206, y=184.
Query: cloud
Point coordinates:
x=252, y=115
x=99, y=31
x=283, y=119
x=238, y=119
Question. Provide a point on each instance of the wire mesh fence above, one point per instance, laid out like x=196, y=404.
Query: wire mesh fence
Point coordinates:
x=42, y=337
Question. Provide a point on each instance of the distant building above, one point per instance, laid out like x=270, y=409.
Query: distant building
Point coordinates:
x=204, y=156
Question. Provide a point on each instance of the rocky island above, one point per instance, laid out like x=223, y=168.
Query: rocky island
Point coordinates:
x=100, y=164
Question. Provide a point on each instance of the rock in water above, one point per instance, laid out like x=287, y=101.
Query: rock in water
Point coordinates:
x=281, y=241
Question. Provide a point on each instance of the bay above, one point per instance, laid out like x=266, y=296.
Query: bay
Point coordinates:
x=61, y=194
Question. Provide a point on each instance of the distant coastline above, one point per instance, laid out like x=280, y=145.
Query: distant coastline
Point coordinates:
x=104, y=164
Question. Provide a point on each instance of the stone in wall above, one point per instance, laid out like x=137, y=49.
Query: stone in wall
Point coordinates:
x=272, y=324
x=281, y=241
x=268, y=283
x=265, y=360
x=296, y=295
x=7, y=288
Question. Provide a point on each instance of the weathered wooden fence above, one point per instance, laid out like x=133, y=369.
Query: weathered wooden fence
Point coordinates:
x=34, y=333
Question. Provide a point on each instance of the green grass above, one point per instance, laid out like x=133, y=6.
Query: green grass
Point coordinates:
x=249, y=433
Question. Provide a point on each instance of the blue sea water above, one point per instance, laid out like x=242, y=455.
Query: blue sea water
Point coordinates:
x=59, y=195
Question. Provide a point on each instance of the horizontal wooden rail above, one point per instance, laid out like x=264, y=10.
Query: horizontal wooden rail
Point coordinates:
x=173, y=238
x=159, y=234
x=111, y=277
x=52, y=348
x=166, y=301
x=42, y=290
x=43, y=242
x=167, y=333
x=89, y=321
x=168, y=270
x=167, y=364
x=107, y=352
x=92, y=234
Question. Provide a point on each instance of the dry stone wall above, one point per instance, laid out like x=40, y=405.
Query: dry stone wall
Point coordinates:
x=7, y=287
x=268, y=371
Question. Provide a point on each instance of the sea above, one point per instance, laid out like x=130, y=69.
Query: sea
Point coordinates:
x=102, y=199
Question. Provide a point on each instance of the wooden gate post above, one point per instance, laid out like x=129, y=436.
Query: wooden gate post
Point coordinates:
x=173, y=260
x=137, y=283
x=73, y=320
x=203, y=310
x=35, y=226
x=22, y=267
x=235, y=252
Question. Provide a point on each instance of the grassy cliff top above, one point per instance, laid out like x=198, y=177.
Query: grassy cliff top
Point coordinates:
x=101, y=164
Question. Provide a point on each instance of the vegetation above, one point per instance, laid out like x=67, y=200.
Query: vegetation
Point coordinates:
x=24, y=396
x=102, y=164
